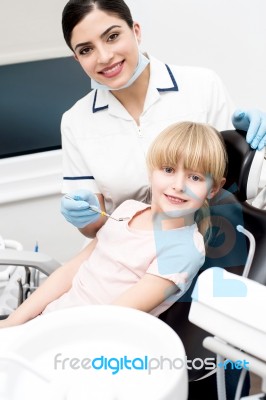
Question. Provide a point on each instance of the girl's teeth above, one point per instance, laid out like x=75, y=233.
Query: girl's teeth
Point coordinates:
x=174, y=199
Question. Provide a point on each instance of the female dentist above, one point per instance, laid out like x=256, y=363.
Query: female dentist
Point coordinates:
x=106, y=134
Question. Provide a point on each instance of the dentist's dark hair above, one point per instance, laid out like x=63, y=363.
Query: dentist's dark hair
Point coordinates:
x=75, y=10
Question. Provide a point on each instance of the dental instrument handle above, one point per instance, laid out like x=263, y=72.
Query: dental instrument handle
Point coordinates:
x=104, y=214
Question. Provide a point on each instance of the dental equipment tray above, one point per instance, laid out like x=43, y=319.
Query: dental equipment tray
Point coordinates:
x=232, y=308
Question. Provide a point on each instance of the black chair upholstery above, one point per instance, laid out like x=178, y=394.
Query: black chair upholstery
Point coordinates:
x=227, y=248
x=243, y=169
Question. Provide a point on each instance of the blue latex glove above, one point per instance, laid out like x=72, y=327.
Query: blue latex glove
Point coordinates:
x=77, y=211
x=254, y=123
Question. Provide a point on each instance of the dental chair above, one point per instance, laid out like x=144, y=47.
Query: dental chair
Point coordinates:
x=22, y=274
x=227, y=248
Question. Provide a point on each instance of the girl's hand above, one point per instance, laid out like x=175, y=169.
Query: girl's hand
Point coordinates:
x=5, y=323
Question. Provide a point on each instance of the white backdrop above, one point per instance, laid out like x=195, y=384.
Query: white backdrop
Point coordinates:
x=228, y=36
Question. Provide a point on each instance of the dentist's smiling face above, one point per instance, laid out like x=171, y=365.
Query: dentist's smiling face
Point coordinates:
x=106, y=48
x=179, y=191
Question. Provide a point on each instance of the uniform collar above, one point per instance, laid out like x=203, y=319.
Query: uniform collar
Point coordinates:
x=161, y=79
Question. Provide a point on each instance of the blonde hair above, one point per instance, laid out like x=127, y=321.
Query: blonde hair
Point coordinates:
x=201, y=148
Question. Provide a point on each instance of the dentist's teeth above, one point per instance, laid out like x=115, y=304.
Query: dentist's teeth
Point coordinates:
x=112, y=69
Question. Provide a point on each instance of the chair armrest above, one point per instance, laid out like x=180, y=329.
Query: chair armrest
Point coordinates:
x=41, y=262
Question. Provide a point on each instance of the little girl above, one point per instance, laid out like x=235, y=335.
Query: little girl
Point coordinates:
x=149, y=260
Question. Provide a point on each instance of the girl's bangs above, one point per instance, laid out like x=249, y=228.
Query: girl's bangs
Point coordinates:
x=171, y=150
x=200, y=151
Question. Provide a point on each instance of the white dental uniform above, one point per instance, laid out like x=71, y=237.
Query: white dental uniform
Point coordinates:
x=104, y=149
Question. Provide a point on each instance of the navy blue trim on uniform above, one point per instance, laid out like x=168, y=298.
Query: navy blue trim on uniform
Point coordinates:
x=94, y=109
x=174, y=88
x=75, y=178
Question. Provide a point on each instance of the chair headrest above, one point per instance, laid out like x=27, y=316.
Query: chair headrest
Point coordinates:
x=244, y=165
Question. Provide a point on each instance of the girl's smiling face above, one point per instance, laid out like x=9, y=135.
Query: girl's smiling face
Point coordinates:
x=177, y=191
x=106, y=48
